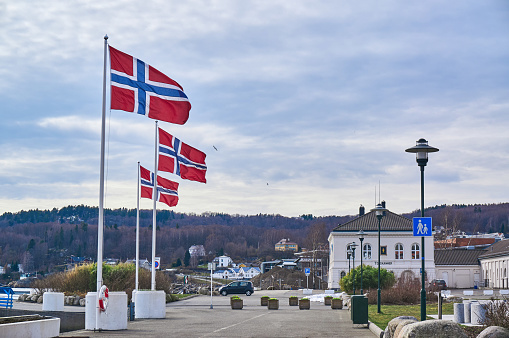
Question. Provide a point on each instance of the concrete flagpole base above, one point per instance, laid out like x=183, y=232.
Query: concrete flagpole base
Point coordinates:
x=149, y=304
x=115, y=316
x=53, y=301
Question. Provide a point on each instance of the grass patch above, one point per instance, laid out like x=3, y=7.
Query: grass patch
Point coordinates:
x=391, y=311
x=181, y=295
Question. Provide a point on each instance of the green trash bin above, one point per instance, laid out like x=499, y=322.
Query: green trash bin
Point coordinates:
x=359, y=309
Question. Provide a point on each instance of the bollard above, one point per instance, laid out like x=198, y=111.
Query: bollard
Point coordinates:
x=131, y=311
x=459, y=314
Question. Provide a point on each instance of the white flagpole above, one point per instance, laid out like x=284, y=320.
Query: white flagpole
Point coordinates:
x=100, y=222
x=137, y=230
x=154, y=197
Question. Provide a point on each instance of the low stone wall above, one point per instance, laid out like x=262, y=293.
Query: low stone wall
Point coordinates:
x=69, y=321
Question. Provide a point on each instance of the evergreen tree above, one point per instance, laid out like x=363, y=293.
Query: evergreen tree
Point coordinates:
x=187, y=258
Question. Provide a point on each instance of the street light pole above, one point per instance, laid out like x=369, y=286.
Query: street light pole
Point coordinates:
x=353, y=246
x=361, y=238
x=379, y=212
x=349, y=252
x=421, y=150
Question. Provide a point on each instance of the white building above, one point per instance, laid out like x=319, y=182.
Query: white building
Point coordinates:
x=459, y=267
x=197, y=251
x=223, y=262
x=400, y=250
x=494, y=265
x=237, y=273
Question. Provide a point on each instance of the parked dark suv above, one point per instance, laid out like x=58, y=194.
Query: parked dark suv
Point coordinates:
x=237, y=287
x=439, y=284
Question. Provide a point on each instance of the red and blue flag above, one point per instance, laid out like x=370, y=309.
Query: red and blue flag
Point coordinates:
x=167, y=191
x=139, y=88
x=181, y=159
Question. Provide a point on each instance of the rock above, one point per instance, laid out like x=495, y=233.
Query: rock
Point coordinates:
x=22, y=298
x=393, y=324
x=433, y=328
x=77, y=300
x=82, y=301
x=34, y=298
x=402, y=324
x=40, y=299
x=494, y=332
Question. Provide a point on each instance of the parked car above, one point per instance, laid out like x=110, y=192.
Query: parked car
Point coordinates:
x=237, y=287
x=438, y=283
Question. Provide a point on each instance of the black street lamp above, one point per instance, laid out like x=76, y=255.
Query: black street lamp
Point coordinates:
x=349, y=254
x=361, y=238
x=379, y=211
x=353, y=246
x=421, y=150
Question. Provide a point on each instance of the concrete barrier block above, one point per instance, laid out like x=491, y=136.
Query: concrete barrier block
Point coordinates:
x=53, y=301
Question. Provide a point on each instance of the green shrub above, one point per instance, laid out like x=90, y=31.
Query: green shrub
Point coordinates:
x=83, y=279
x=369, y=279
x=293, y=297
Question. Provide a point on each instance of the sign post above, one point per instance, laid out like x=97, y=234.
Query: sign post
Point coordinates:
x=211, y=266
x=307, y=271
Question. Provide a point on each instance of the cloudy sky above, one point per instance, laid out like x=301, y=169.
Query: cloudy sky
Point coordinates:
x=310, y=103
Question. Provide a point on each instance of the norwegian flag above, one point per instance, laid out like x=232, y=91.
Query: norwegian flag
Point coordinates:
x=181, y=159
x=139, y=88
x=166, y=189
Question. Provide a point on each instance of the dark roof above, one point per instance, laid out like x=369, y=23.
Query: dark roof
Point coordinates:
x=500, y=248
x=369, y=222
x=456, y=256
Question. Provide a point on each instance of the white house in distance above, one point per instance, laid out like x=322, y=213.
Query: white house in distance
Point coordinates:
x=223, y=262
x=237, y=273
x=400, y=251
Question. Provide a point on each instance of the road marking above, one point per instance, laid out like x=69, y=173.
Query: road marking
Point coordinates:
x=227, y=327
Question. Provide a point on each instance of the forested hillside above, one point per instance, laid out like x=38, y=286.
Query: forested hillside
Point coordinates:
x=44, y=239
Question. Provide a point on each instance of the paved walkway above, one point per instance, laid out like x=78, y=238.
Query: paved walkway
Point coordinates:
x=194, y=318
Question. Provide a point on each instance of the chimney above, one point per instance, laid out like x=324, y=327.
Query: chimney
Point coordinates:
x=361, y=211
x=383, y=206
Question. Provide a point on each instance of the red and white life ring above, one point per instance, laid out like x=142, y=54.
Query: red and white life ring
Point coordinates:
x=103, y=298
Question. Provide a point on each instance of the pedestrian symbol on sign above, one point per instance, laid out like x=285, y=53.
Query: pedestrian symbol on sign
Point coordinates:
x=422, y=226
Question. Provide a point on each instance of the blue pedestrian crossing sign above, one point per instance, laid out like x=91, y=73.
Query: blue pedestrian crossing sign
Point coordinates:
x=422, y=226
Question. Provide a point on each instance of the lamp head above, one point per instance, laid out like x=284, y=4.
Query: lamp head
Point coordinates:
x=421, y=151
x=361, y=235
x=379, y=211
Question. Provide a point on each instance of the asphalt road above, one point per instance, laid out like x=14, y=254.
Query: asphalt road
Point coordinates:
x=194, y=318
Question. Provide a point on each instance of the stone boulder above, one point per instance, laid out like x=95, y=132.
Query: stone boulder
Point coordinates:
x=77, y=300
x=433, y=328
x=40, y=299
x=82, y=301
x=393, y=325
x=494, y=332
x=402, y=324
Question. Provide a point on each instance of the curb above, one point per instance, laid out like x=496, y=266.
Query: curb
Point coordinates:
x=375, y=329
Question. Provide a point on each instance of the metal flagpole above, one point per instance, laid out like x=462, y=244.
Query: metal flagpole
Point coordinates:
x=100, y=222
x=154, y=197
x=137, y=231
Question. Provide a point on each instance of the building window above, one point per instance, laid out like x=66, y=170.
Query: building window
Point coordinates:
x=343, y=274
x=366, y=251
x=415, y=251
x=398, y=252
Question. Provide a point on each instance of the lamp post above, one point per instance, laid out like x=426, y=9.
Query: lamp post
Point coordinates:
x=353, y=246
x=379, y=212
x=349, y=252
x=421, y=150
x=361, y=238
